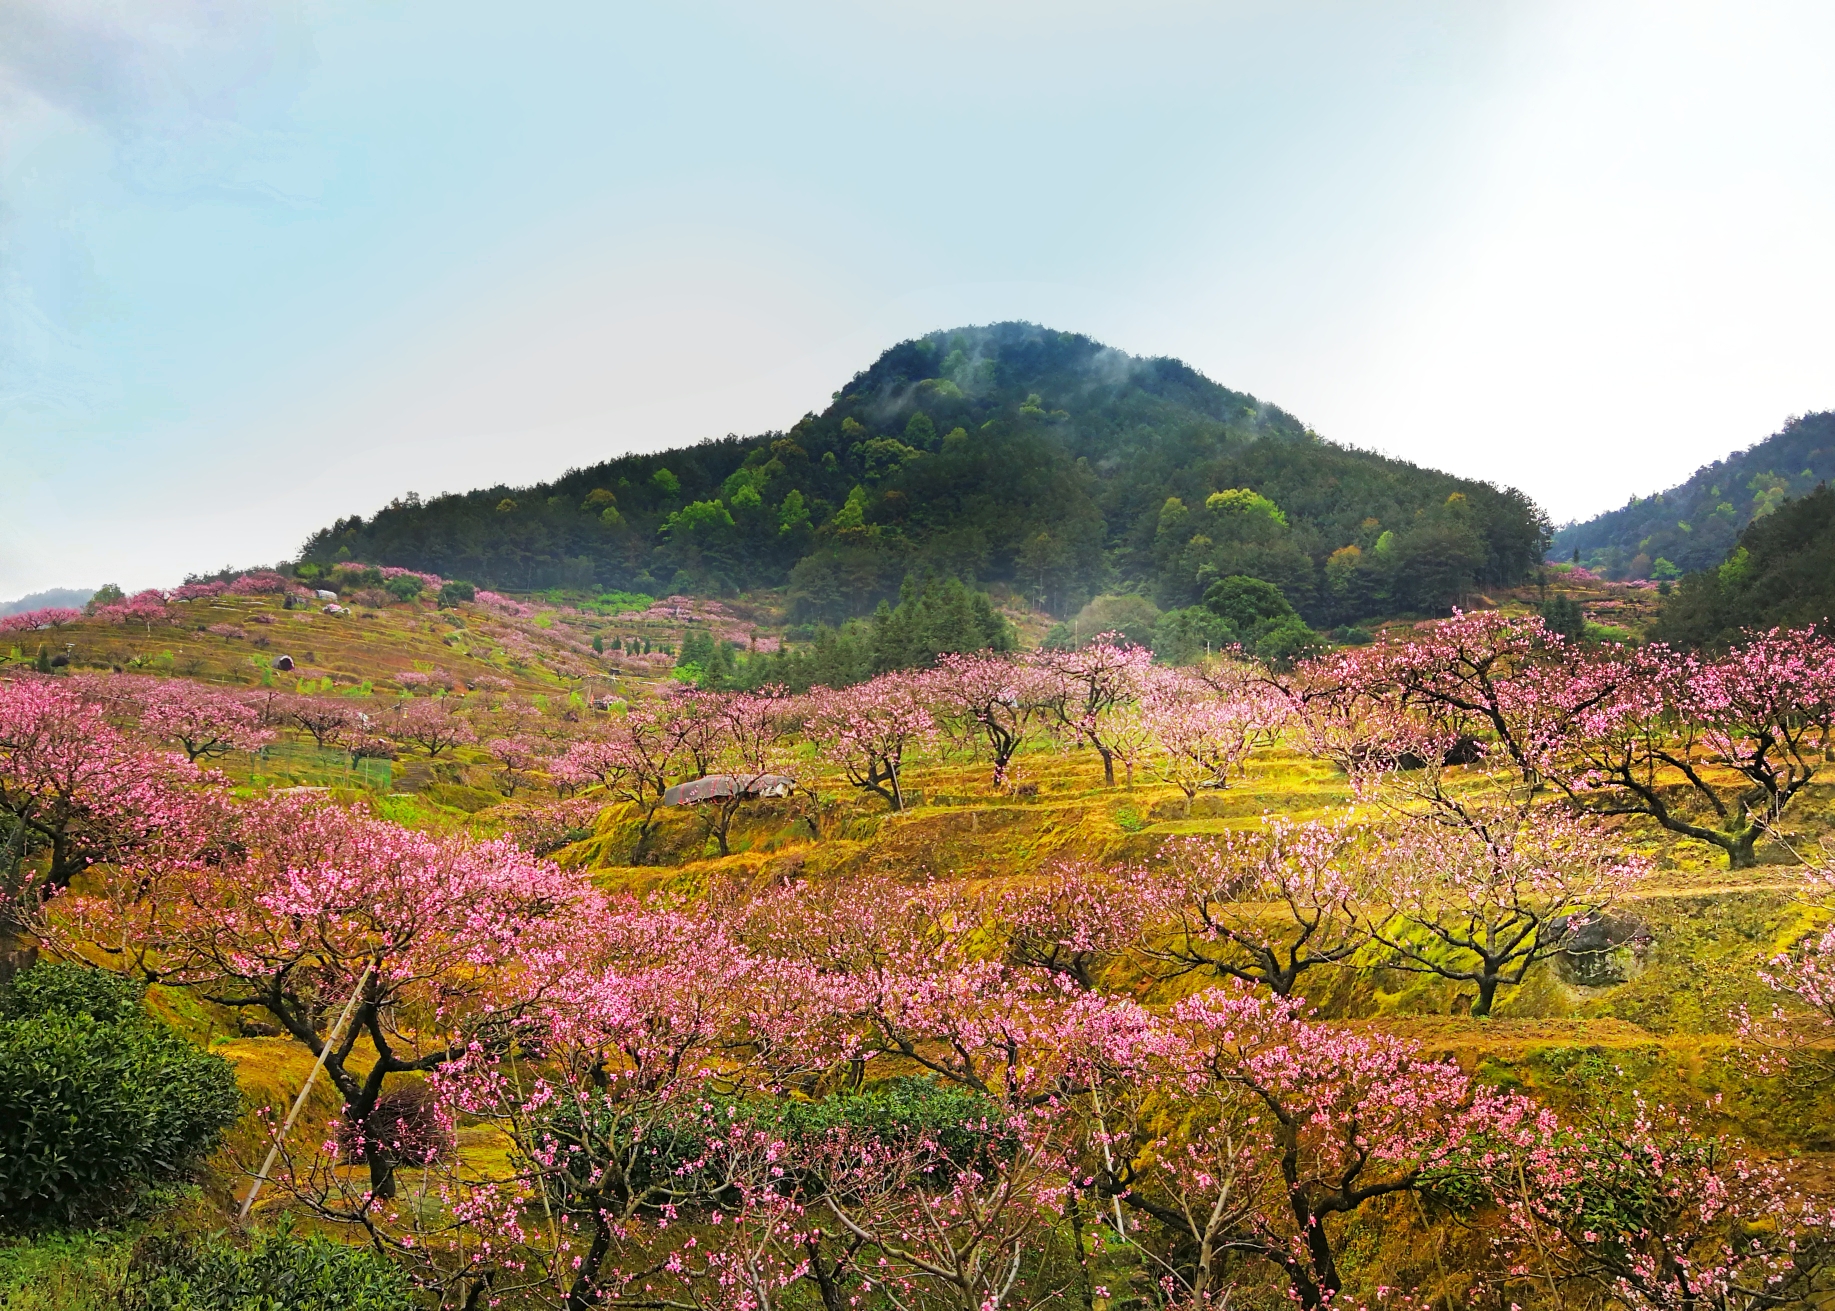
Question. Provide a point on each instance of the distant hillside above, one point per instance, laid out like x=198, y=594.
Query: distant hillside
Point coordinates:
x=1008, y=453
x=1693, y=526
x=1781, y=572
x=72, y=597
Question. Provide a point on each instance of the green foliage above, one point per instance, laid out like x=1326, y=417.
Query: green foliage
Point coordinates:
x=1057, y=469
x=107, y=594
x=452, y=593
x=702, y=517
x=932, y=618
x=1781, y=572
x=1245, y=602
x=617, y=603
x=961, y=1123
x=1249, y=506
x=1134, y=617
x=64, y=1270
x=277, y=1271
x=959, y=1126
x=793, y=514
x=1563, y=615
x=348, y=578
x=77, y=991
x=404, y=587
x=705, y=660
x=1182, y=637
x=1692, y=527
x=1238, y=611
x=98, y=1102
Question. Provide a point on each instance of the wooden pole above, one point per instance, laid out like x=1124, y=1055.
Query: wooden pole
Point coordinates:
x=299, y=1102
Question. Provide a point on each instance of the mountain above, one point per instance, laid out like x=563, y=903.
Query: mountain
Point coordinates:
x=1693, y=526
x=73, y=597
x=1007, y=453
x=1782, y=572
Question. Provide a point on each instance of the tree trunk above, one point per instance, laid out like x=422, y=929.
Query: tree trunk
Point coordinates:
x=585, y=1290
x=1487, y=993
x=382, y=1170
x=17, y=950
x=1087, y=1283
x=1325, y=1267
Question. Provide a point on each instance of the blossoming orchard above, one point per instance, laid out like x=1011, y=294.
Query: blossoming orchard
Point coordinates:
x=1475, y=967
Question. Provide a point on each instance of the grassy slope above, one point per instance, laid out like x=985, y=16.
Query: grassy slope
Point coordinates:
x=1667, y=1031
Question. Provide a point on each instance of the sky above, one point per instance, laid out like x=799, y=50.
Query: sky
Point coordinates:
x=263, y=265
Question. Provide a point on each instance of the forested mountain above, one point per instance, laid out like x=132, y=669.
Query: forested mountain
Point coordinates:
x=1693, y=526
x=1781, y=573
x=57, y=596
x=1005, y=453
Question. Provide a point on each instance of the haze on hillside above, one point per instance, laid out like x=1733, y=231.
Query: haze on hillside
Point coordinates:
x=266, y=265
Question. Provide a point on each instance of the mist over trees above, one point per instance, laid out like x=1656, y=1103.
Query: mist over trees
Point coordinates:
x=1008, y=453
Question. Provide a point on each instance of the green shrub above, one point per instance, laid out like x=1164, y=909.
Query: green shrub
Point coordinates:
x=98, y=1101
x=73, y=990
x=404, y=587
x=620, y=602
x=278, y=1271
x=961, y=1125
x=454, y=592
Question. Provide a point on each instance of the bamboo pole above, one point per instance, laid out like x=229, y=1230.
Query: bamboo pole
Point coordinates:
x=299, y=1102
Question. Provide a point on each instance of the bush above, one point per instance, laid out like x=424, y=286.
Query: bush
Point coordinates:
x=960, y=1125
x=277, y=1270
x=455, y=592
x=404, y=587
x=98, y=1101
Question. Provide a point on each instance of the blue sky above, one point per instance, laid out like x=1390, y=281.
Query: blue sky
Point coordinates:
x=262, y=265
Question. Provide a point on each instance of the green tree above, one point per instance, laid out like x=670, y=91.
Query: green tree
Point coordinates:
x=1563, y=615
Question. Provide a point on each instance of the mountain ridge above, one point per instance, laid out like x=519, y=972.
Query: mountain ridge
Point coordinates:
x=72, y=597
x=1007, y=452
x=1693, y=525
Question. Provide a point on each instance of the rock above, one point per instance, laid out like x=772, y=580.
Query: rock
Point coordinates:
x=284, y=663
x=324, y=594
x=1601, y=951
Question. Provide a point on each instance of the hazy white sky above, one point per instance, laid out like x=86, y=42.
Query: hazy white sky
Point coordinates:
x=264, y=264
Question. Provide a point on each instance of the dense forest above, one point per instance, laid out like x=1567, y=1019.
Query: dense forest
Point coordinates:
x=1008, y=453
x=1692, y=527
x=1781, y=572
